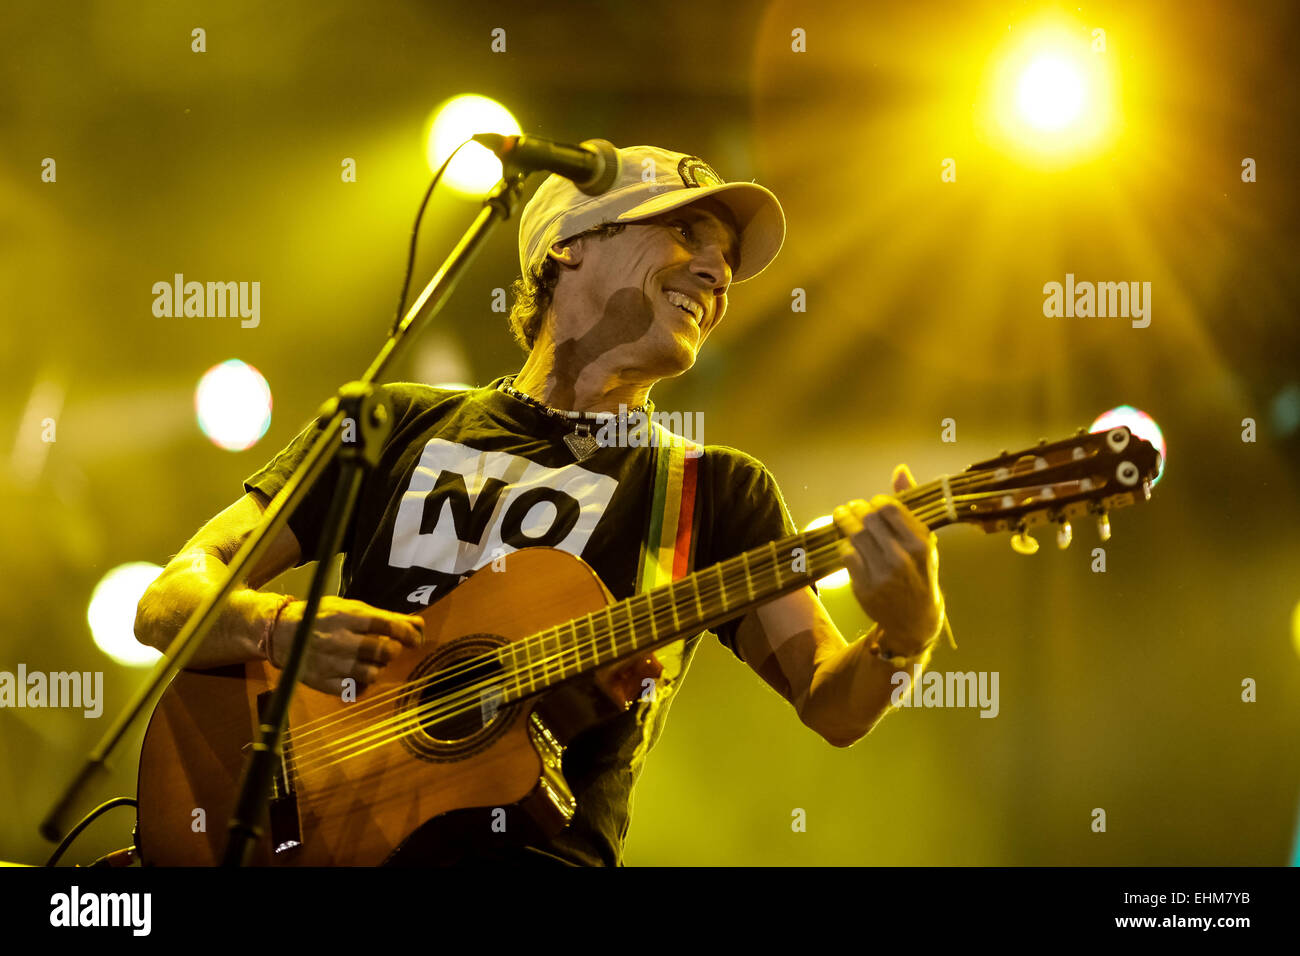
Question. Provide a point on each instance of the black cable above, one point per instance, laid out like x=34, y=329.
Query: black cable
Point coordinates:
x=86, y=821
x=415, y=233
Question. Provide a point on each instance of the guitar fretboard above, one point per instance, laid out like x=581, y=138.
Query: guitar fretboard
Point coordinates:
x=664, y=614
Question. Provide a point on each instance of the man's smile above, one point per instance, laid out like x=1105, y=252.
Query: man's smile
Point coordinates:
x=687, y=304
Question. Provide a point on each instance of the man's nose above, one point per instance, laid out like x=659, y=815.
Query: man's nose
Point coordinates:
x=711, y=265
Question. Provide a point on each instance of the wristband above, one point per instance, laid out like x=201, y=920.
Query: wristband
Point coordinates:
x=264, y=645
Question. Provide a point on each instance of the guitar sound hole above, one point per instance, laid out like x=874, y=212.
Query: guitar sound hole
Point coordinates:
x=456, y=703
x=455, y=693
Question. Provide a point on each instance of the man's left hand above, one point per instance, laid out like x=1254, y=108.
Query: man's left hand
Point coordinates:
x=893, y=562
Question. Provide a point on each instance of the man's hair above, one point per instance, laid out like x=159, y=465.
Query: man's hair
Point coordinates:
x=535, y=290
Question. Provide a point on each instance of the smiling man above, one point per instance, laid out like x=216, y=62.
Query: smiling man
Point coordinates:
x=618, y=292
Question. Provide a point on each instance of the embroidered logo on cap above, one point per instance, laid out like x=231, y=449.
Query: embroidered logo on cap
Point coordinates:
x=696, y=172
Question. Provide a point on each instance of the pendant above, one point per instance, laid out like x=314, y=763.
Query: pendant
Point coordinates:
x=581, y=442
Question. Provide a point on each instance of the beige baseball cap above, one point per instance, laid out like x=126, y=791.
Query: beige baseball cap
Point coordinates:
x=652, y=181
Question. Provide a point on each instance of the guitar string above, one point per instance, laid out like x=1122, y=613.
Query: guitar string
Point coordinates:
x=473, y=699
x=408, y=721
x=416, y=717
x=412, y=720
x=470, y=696
x=469, y=693
x=465, y=700
x=321, y=724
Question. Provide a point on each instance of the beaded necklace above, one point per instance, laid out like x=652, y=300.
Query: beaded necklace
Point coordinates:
x=580, y=441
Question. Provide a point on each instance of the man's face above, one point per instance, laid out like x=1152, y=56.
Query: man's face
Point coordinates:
x=654, y=291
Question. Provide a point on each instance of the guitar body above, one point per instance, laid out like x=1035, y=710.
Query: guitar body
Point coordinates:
x=350, y=799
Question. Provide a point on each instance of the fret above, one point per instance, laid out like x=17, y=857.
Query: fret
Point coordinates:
x=538, y=664
x=654, y=627
x=557, y=655
x=832, y=558
x=695, y=586
x=591, y=637
x=562, y=651
x=613, y=640
x=749, y=584
x=776, y=563
x=510, y=669
x=672, y=603
x=722, y=588
x=529, y=670
x=575, y=648
x=524, y=658
x=547, y=657
x=809, y=572
x=631, y=625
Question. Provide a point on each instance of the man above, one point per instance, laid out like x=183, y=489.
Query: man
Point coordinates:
x=618, y=292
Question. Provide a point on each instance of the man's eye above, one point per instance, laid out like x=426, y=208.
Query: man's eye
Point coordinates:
x=683, y=228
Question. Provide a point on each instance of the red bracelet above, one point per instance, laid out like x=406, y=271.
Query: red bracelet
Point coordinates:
x=264, y=645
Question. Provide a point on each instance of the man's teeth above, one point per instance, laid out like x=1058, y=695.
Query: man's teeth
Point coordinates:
x=686, y=303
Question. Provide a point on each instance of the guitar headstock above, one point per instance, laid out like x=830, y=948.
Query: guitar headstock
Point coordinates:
x=1089, y=474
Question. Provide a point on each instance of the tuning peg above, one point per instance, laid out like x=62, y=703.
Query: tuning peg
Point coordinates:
x=1023, y=543
x=1064, y=534
x=1103, y=526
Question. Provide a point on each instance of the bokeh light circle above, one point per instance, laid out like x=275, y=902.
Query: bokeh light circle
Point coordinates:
x=1140, y=424
x=233, y=405
x=475, y=169
x=111, y=613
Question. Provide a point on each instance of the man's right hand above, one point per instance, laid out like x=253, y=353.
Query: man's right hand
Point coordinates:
x=349, y=639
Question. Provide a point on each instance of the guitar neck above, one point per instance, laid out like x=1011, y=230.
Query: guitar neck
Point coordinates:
x=1086, y=474
x=683, y=607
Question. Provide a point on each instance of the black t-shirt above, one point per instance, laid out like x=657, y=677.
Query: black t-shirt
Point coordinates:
x=469, y=474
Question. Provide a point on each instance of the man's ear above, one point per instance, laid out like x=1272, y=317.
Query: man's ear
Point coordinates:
x=568, y=253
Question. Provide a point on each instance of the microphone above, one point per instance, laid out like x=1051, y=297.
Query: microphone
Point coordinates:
x=593, y=165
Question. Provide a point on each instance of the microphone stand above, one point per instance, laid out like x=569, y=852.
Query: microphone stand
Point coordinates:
x=357, y=403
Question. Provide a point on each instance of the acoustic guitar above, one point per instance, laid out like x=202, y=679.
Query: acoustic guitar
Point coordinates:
x=517, y=662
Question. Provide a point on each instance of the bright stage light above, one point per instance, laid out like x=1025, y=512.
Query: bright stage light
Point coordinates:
x=1140, y=424
x=836, y=579
x=111, y=613
x=233, y=405
x=1050, y=93
x=475, y=169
